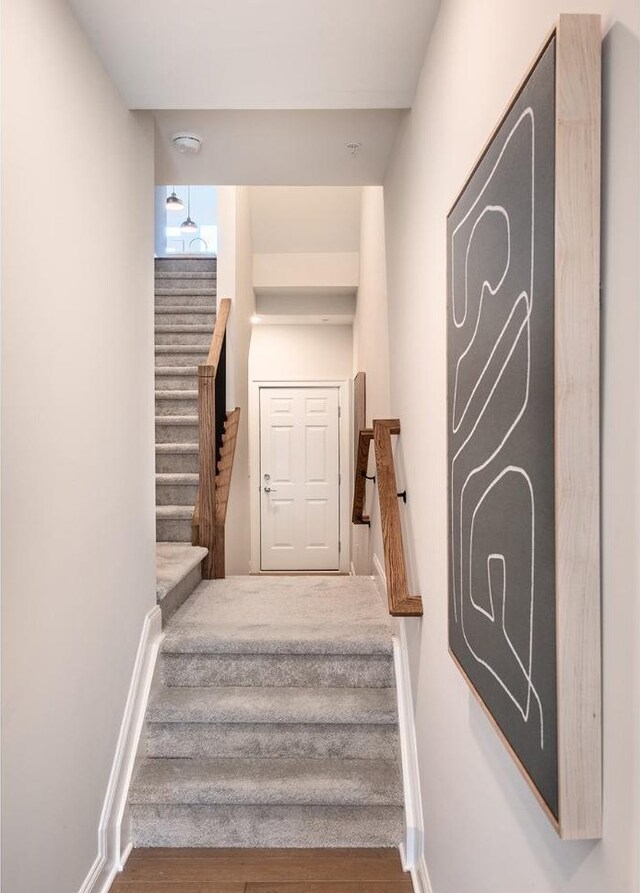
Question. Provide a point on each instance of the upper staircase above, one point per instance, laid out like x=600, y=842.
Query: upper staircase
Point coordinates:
x=185, y=316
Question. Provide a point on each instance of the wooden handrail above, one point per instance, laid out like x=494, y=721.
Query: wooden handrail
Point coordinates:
x=213, y=424
x=219, y=332
x=401, y=604
x=365, y=436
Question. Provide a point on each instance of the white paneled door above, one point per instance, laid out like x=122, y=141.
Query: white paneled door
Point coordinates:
x=299, y=478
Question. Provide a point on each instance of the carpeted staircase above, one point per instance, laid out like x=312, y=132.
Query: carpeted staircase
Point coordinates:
x=184, y=318
x=275, y=723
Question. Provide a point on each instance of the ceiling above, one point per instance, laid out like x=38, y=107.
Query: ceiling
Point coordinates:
x=261, y=54
x=294, y=148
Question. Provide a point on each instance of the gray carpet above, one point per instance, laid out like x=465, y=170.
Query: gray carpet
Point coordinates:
x=276, y=721
x=185, y=317
x=178, y=572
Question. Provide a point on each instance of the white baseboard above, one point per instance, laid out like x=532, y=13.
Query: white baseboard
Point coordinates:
x=112, y=849
x=420, y=877
x=412, y=848
x=413, y=842
x=99, y=877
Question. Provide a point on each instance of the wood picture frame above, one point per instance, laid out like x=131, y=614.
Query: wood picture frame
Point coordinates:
x=550, y=448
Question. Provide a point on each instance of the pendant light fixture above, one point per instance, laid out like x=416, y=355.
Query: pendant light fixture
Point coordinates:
x=174, y=202
x=188, y=225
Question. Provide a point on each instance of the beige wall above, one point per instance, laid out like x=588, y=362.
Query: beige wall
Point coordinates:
x=78, y=531
x=484, y=830
x=235, y=257
x=371, y=355
x=300, y=220
x=300, y=353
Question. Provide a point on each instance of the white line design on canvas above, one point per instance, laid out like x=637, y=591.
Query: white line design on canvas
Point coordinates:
x=522, y=306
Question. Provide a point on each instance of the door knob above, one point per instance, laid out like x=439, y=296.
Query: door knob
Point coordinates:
x=270, y=490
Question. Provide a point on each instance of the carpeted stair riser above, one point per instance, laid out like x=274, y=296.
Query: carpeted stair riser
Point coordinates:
x=176, y=381
x=185, y=264
x=265, y=826
x=307, y=741
x=177, y=458
x=177, y=291
x=180, y=355
x=177, y=403
x=254, y=781
x=329, y=705
x=305, y=670
x=170, y=491
x=171, y=275
x=187, y=282
x=184, y=335
x=168, y=430
x=185, y=316
x=200, y=301
x=173, y=530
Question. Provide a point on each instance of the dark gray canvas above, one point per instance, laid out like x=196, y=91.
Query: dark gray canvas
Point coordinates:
x=500, y=339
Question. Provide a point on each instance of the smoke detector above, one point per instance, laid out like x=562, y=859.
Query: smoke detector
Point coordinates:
x=186, y=143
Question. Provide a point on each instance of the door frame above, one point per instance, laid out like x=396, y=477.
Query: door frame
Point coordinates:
x=344, y=429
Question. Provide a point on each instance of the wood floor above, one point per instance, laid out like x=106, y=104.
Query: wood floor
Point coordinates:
x=263, y=871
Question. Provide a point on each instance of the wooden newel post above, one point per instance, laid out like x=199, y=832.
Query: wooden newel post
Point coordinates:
x=206, y=527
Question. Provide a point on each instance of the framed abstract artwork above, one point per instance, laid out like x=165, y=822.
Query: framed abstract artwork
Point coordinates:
x=523, y=242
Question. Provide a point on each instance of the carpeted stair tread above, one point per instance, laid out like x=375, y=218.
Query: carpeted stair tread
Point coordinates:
x=186, y=274
x=197, y=740
x=266, y=826
x=176, y=370
x=183, y=670
x=171, y=309
x=274, y=705
x=177, y=448
x=249, y=781
x=175, y=512
x=177, y=292
x=174, y=562
x=185, y=316
x=317, y=615
x=198, y=328
x=176, y=420
x=177, y=478
x=177, y=395
x=181, y=348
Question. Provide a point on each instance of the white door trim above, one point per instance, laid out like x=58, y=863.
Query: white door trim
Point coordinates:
x=254, y=461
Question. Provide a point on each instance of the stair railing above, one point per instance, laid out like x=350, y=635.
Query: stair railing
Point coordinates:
x=401, y=604
x=217, y=434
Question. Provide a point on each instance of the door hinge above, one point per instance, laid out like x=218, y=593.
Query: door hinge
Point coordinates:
x=339, y=412
x=339, y=479
x=339, y=546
